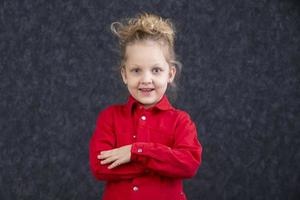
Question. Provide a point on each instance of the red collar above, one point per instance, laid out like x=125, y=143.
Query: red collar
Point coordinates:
x=163, y=104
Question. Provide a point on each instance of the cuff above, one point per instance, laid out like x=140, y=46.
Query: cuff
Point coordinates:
x=137, y=151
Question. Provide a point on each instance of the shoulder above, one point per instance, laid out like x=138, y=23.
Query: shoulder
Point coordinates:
x=181, y=114
x=109, y=111
x=184, y=122
x=177, y=116
x=182, y=117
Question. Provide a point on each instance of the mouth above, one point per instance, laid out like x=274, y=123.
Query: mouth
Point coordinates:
x=146, y=89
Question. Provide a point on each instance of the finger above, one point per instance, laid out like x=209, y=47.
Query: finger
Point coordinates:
x=114, y=165
x=108, y=160
x=105, y=154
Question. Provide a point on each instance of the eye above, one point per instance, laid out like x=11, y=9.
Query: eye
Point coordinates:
x=135, y=70
x=156, y=70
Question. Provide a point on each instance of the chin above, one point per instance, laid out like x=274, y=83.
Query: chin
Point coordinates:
x=147, y=103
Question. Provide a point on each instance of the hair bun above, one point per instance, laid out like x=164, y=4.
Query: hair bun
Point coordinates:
x=144, y=26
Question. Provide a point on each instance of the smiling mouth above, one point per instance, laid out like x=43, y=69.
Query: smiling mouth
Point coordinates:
x=146, y=89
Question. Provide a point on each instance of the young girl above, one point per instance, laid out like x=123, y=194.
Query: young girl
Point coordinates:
x=144, y=148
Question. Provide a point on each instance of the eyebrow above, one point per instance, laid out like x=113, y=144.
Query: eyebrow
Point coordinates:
x=136, y=65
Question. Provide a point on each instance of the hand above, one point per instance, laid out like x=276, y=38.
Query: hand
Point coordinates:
x=116, y=157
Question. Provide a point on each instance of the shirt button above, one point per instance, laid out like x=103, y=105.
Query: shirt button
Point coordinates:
x=140, y=150
x=143, y=118
x=135, y=188
x=134, y=136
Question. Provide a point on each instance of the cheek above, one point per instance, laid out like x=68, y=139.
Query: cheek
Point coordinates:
x=162, y=81
x=132, y=82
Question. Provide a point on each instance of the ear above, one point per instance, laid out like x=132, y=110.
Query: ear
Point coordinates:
x=172, y=73
x=123, y=73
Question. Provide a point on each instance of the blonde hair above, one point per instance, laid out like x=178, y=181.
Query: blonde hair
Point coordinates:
x=143, y=27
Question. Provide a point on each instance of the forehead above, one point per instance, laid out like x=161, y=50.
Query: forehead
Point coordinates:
x=147, y=51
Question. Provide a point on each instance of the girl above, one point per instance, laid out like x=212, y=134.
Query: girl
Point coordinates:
x=144, y=148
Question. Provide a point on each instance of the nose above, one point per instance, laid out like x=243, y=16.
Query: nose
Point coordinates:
x=146, y=79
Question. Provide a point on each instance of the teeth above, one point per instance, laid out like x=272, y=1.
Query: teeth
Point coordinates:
x=146, y=89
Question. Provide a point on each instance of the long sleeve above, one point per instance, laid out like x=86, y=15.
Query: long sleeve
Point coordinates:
x=104, y=139
x=179, y=161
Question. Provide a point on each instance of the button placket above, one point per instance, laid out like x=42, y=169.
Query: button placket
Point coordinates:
x=134, y=137
x=140, y=150
x=143, y=117
x=135, y=188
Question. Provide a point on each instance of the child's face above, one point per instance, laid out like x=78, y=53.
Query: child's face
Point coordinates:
x=147, y=72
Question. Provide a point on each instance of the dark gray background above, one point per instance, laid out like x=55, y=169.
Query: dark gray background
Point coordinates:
x=240, y=84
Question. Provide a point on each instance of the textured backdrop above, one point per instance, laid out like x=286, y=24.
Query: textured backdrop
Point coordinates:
x=240, y=84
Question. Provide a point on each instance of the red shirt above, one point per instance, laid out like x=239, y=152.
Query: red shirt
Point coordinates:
x=165, y=150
